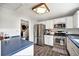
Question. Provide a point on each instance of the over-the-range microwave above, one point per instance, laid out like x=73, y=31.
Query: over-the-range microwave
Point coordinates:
x=61, y=25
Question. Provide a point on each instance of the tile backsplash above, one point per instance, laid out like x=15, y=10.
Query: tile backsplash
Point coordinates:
x=73, y=31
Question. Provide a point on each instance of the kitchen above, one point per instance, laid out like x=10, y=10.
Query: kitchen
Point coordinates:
x=60, y=35
x=39, y=29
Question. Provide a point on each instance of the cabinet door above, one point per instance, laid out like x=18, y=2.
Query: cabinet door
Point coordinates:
x=69, y=22
x=46, y=40
x=70, y=48
x=76, y=19
x=75, y=48
x=47, y=24
x=51, y=24
x=50, y=40
x=59, y=20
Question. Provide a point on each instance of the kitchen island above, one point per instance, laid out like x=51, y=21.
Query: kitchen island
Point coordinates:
x=14, y=45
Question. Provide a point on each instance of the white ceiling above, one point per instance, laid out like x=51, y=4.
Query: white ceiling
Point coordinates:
x=56, y=10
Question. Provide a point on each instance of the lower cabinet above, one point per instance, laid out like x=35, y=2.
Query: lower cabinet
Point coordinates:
x=72, y=49
x=48, y=40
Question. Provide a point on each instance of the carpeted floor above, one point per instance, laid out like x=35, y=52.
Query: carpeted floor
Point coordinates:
x=50, y=51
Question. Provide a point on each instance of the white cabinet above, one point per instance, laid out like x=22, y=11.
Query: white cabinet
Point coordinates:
x=73, y=21
x=72, y=49
x=25, y=52
x=76, y=19
x=49, y=24
x=59, y=20
x=69, y=22
x=48, y=39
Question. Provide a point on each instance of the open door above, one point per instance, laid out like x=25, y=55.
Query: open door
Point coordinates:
x=25, y=30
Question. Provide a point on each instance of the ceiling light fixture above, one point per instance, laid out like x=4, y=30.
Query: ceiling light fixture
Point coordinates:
x=41, y=8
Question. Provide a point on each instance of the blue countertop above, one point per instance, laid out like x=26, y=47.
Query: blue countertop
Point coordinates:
x=74, y=39
x=13, y=46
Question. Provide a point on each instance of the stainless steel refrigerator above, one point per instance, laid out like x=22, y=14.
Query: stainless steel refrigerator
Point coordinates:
x=39, y=30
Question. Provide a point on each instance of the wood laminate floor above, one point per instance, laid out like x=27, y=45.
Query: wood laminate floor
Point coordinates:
x=50, y=51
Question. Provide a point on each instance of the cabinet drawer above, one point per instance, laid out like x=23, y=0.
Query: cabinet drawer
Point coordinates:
x=71, y=48
x=75, y=48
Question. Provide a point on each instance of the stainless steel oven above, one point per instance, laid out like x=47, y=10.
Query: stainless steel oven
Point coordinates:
x=59, y=38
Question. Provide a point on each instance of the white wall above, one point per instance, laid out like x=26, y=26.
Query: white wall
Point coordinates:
x=10, y=23
x=31, y=30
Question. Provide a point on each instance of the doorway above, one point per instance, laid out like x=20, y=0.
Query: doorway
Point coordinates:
x=25, y=30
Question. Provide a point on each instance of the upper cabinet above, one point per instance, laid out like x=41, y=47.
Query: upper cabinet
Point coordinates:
x=69, y=22
x=59, y=20
x=76, y=19
x=73, y=21
x=49, y=24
